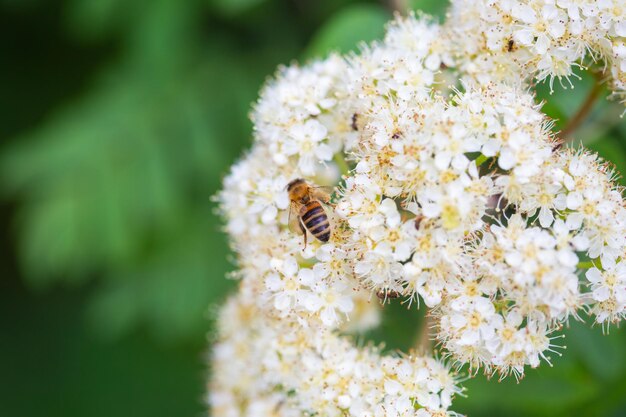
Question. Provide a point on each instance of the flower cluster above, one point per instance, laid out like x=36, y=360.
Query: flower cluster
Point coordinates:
x=270, y=367
x=503, y=40
x=294, y=116
x=458, y=199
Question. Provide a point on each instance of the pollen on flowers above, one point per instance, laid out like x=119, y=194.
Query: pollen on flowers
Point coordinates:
x=589, y=208
x=330, y=297
x=478, y=188
x=448, y=176
x=450, y=216
x=385, y=156
x=415, y=178
x=471, y=289
x=516, y=358
x=610, y=279
x=475, y=320
x=541, y=271
x=545, y=199
x=477, y=121
x=494, y=251
x=337, y=264
x=393, y=236
x=424, y=244
x=507, y=334
x=291, y=284
x=530, y=251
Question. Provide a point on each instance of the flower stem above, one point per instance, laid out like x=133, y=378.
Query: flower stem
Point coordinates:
x=423, y=344
x=398, y=6
x=585, y=265
x=581, y=114
x=341, y=163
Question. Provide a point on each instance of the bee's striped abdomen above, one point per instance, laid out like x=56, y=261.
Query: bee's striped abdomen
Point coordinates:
x=316, y=221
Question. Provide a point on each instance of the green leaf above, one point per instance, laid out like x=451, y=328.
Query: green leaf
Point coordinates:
x=50, y=345
x=399, y=328
x=170, y=289
x=562, y=103
x=612, y=149
x=234, y=7
x=602, y=355
x=347, y=29
x=542, y=392
x=432, y=7
x=114, y=185
x=95, y=19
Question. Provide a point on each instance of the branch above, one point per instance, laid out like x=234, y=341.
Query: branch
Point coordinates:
x=341, y=164
x=582, y=113
x=423, y=343
x=398, y=6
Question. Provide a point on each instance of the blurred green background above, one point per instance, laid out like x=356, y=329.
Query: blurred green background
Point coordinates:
x=119, y=119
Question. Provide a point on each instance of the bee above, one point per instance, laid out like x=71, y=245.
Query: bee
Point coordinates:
x=510, y=45
x=353, y=122
x=387, y=294
x=307, y=209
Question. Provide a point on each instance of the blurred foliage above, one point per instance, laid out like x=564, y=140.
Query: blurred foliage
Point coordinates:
x=115, y=184
x=119, y=120
x=348, y=28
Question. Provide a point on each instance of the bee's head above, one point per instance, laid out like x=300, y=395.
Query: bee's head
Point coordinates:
x=298, y=190
x=294, y=183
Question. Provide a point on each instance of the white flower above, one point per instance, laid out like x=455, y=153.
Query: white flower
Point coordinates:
x=287, y=284
x=335, y=263
x=508, y=338
x=540, y=26
x=328, y=299
x=377, y=270
x=473, y=320
x=543, y=197
x=520, y=40
x=307, y=143
x=608, y=291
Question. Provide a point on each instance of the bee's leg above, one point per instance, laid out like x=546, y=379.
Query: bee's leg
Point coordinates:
x=303, y=232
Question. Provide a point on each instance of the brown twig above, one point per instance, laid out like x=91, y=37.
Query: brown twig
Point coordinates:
x=398, y=6
x=582, y=113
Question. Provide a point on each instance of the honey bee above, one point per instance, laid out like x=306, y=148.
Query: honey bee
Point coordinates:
x=353, y=122
x=510, y=45
x=307, y=209
x=387, y=294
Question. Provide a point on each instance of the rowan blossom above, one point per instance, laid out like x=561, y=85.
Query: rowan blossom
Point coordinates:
x=525, y=39
x=459, y=200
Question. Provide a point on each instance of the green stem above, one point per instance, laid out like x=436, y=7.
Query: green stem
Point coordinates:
x=585, y=265
x=341, y=164
x=424, y=344
x=581, y=114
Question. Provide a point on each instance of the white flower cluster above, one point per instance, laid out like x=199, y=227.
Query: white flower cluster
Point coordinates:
x=503, y=40
x=524, y=278
x=461, y=201
x=269, y=367
x=294, y=116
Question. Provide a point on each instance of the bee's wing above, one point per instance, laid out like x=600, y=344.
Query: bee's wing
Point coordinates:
x=322, y=192
x=295, y=225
